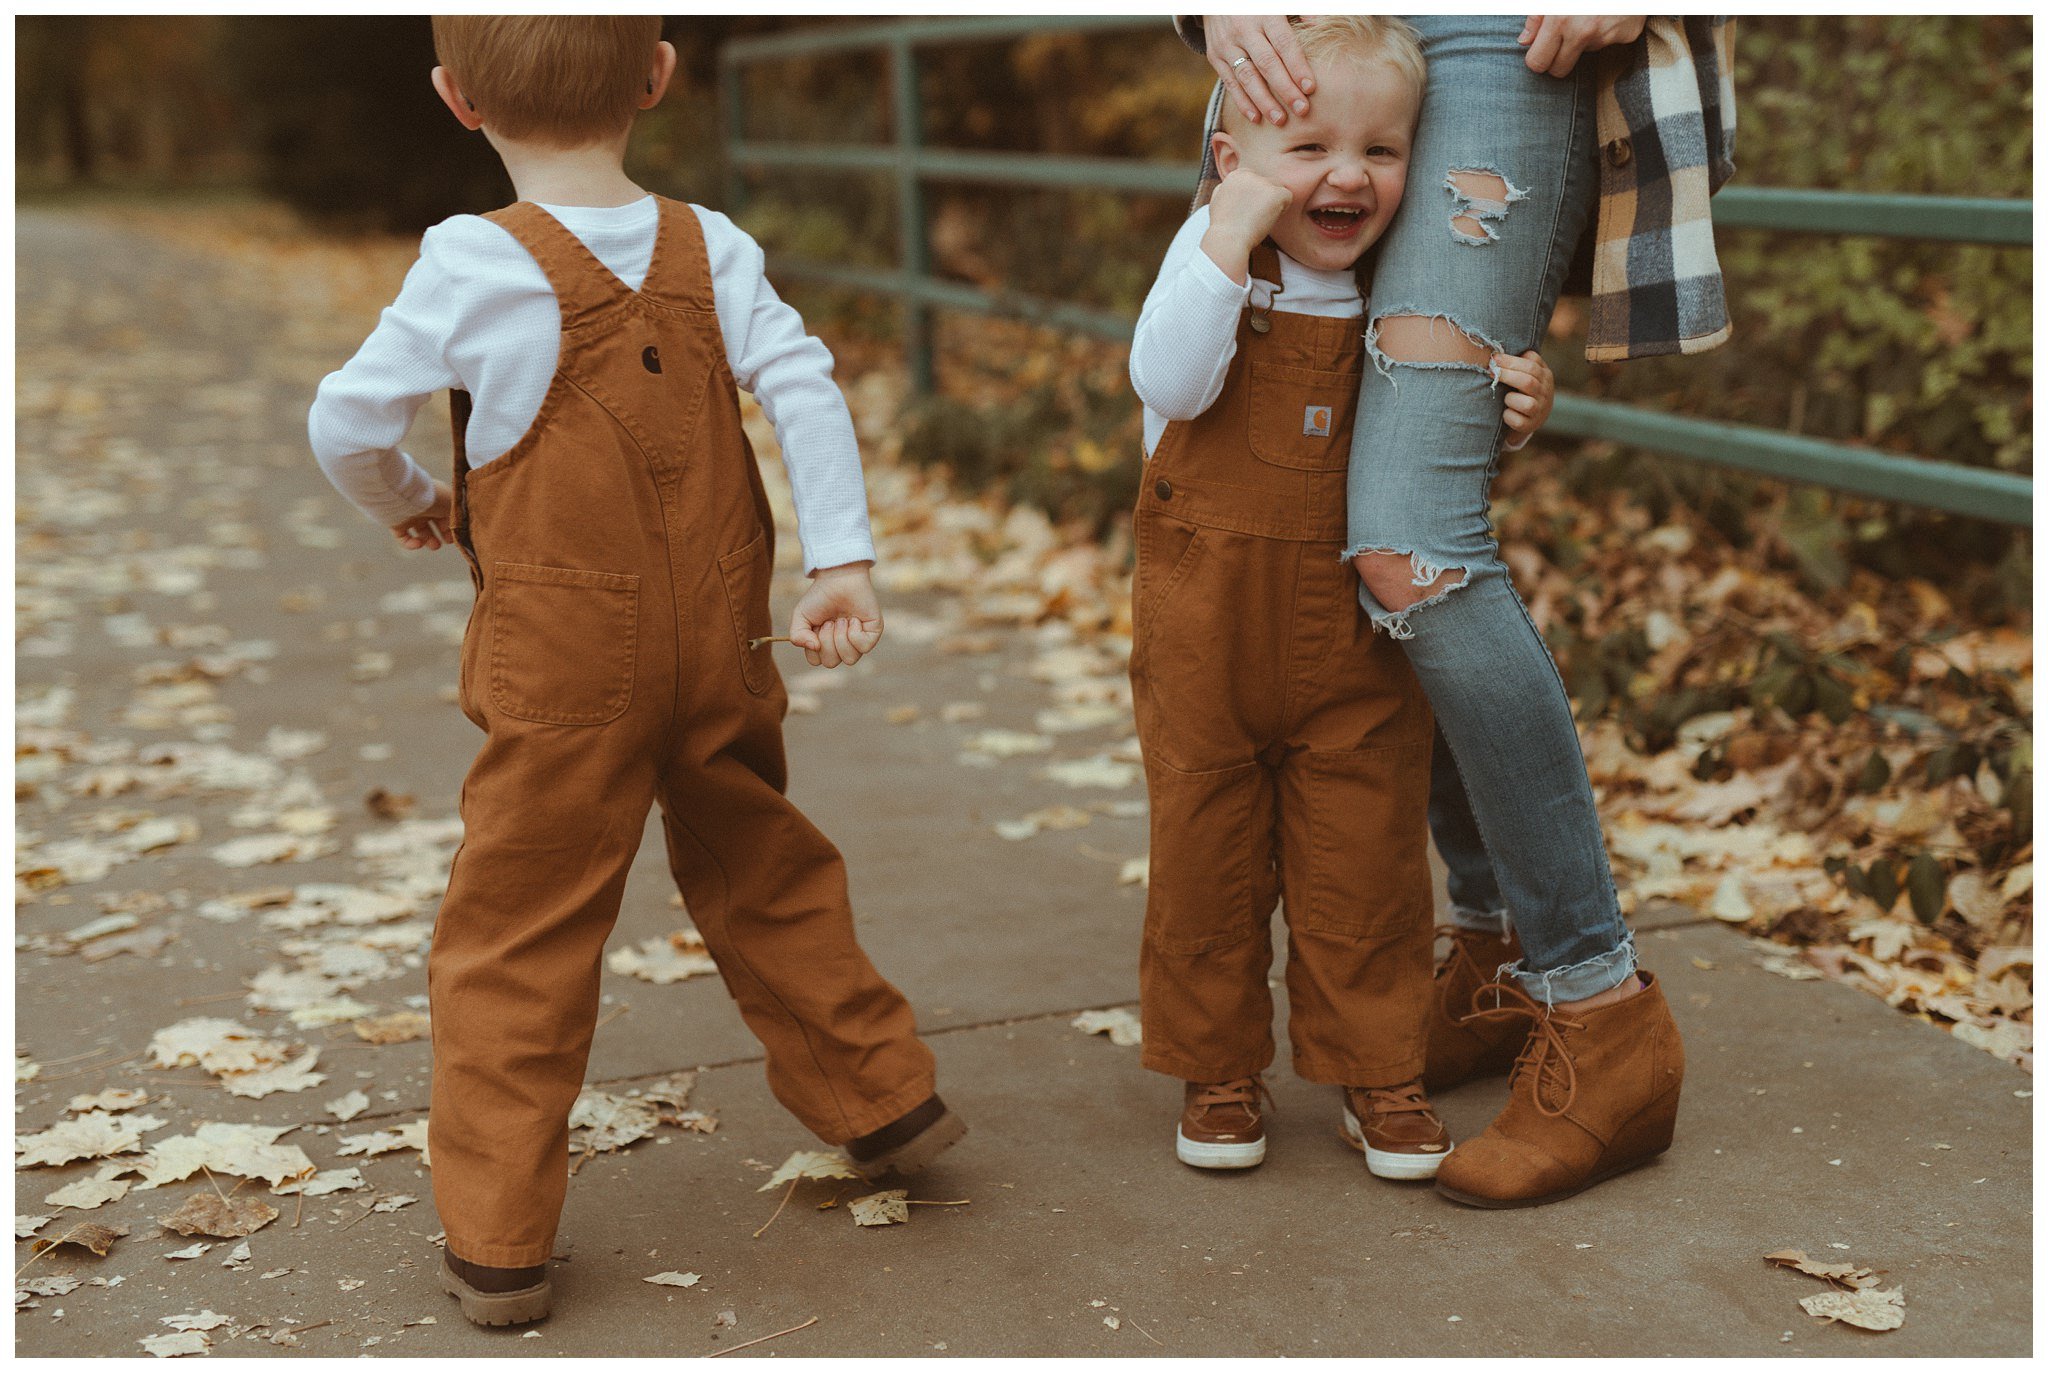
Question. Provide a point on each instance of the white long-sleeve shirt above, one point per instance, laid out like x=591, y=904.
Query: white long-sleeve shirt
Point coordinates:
x=476, y=312
x=1187, y=332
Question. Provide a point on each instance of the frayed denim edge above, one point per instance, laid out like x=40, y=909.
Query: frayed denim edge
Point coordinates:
x=1385, y=365
x=1575, y=982
x=1422, y=572
x=1463, y=206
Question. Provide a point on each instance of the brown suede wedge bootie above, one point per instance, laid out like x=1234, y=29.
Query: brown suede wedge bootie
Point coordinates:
x=1463, y=1046
x=1595, y=1093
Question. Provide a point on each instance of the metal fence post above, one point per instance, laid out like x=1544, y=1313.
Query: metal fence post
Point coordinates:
x=732, y=107
x=913, y=251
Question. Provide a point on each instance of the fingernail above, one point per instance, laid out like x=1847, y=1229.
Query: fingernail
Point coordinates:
x=1278, y=117
x=1301, y=107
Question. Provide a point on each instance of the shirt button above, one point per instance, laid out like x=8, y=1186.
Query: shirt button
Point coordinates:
x=1619, y=152
x=1163, y=489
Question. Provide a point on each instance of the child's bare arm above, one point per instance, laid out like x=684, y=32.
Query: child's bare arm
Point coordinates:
x=1532, y=388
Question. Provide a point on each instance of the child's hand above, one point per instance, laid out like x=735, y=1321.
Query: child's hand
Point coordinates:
x=1243, y=210
x=1535, y=389
x=429, y=528
x=838, y=620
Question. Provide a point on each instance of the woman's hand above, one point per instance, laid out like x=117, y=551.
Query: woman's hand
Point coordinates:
x=1534, y=390
x=1557, y=41
x=1276, y=79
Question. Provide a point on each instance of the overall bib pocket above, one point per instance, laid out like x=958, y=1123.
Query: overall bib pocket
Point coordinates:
x=1301, y=418
x=746, y=572
x=563, y=643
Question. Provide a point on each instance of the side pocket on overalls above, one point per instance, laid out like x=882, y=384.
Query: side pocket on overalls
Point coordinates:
x=747, y=571
x=564, y=642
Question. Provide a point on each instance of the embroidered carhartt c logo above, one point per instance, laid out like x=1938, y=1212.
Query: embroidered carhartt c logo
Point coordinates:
x=650, y=359
x=1315, y=421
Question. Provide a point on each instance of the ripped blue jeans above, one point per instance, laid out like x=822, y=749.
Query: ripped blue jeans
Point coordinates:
x=1501, y=183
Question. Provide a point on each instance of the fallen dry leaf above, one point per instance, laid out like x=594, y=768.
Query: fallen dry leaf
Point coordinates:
x=205, y=1213
x=201, y=1320
x=675, y=1279
x=1847, y=1274
x=88, y=1193
x=810, y=1163
x=173, y=1346
x=1868, y=1308
x=96, y=1134
x=86, y=1235
x=881, y=1208
x=396, y=1028
x=666, y=960
x=113, y=1099
x=348, y=1106
x=1120, y=1025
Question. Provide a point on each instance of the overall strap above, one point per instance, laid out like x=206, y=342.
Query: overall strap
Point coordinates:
x=679, y=275
x=584, y=287
x=1265, y=266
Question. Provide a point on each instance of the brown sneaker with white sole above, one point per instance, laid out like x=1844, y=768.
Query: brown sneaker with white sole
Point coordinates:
x=1221, y=1125
x=1396, y=1129
x=497, y=1296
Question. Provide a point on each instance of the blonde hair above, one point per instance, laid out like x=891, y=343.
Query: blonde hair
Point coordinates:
x=561, y=81
x=1364, y=38
x=1356, y=39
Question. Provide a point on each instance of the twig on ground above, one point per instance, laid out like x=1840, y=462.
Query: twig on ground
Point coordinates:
x=765, y=1338
x=912, y=1201
x=302, y=1329
x=1146, y=1333
x=93, y=1068
x=613, y=1016
x=374, y=1197
x=778, y=1208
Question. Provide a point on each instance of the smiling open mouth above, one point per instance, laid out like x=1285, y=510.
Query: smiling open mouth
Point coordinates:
x=1338, y=221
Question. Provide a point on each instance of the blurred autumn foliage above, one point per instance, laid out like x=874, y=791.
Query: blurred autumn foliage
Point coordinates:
x=1807, y=713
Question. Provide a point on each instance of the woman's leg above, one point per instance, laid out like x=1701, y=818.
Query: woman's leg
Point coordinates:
x=1501, y=184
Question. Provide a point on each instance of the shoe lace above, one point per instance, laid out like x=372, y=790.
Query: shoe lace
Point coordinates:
x=1404, y=1099
x=1244, y=1091
x=1457, y=952
x=1546, y=1049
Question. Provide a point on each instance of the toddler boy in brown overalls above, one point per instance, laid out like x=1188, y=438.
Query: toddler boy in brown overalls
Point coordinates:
x=1287, y=746
x=616, y=528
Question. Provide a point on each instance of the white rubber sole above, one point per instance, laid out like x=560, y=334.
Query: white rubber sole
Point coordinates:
x=1383, y=1164
x=1197, y=1154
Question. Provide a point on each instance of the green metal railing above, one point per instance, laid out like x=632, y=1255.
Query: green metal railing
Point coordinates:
x=1980, y=492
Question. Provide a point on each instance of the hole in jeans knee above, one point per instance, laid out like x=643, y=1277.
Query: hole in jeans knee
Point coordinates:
x=1431, y=340
x=1401, y=581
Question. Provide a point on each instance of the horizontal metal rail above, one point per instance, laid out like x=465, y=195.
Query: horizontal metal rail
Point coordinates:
x=1978, y=492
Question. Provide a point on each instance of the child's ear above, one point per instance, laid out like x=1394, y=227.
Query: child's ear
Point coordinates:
x=1223, y=149
x=663, y=72
x=458, y=105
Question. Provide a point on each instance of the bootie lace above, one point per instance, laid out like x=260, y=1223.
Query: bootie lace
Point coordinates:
x=1546, y=1048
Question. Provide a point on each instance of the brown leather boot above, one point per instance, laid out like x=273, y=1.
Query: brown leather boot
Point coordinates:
x=1462, y=1046
x=1594, y=1093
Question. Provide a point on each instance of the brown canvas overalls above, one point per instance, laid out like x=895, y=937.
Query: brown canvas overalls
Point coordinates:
x=1287, y=746
x=622, y=551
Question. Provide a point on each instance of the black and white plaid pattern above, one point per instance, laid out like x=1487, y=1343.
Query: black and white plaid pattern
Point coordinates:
x=1666, y=131
x=1666, y=126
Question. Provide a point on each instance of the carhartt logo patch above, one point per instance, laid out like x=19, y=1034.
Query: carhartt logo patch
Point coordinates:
x=1315, y=421
x=650, y=359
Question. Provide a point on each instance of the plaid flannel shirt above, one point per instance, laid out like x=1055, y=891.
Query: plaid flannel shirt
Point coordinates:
x=1665, y=126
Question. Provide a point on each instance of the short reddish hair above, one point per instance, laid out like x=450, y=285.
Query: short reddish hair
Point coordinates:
x=562, y=81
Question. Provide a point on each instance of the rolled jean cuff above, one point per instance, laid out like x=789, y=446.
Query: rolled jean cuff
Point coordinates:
x=1495, y=923
x=1577, y=981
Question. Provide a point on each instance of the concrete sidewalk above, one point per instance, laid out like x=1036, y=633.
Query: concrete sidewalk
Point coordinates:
x=1814, y=1116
